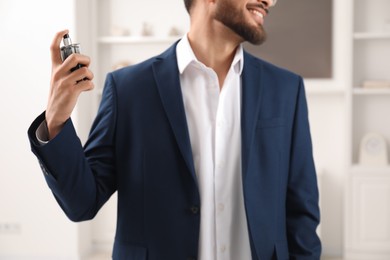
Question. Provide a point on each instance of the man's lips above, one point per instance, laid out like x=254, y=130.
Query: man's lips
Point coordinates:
x=258, y=10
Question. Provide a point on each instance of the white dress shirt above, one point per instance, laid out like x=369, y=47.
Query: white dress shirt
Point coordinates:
x=214, y=123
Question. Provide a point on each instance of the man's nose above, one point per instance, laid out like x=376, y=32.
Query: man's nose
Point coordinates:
x=268, y=3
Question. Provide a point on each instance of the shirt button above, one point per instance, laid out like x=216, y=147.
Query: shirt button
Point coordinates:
x=223, y=248
x=220, y=165
x=194, y=210
x=221, y=207
x=220, y=123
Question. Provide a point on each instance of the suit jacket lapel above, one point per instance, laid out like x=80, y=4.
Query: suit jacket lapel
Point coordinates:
x=166, y=73
x=250, y=106
x=168, y=82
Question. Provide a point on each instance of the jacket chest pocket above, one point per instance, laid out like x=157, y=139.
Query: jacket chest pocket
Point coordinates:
x=270, y=136
x=267, y=149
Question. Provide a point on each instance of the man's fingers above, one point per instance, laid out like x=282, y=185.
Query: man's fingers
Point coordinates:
x=79, y=75
x=85, y=85
x=73, y=60
x=55, y=47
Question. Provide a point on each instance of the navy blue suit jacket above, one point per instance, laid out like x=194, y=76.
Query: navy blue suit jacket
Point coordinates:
x=139, y=146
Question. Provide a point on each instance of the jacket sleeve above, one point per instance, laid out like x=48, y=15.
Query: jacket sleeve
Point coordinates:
x=81, y=180
x=302, y=208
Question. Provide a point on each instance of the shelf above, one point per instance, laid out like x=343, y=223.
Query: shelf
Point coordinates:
x=325, y=91
x=361, y=91
x=138, y=39
x=371, y=61
x=370, y=171
x=371, y=36
x=323, y=87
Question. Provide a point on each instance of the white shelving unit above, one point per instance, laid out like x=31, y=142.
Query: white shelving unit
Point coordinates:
x=367, y=215
x=119, y=28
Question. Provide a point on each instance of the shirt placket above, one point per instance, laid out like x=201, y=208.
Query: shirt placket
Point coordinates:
x=221, y=204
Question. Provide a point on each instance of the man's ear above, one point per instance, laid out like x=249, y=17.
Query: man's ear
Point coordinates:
x=211, y=2
x=205, y=3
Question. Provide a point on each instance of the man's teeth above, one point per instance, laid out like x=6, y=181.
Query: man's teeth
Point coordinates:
x=257, y=13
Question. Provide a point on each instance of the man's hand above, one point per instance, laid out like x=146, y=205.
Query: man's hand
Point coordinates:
x=65, y=86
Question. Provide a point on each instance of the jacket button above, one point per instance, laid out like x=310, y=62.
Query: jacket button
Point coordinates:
x=43, y=168
x=194, y=210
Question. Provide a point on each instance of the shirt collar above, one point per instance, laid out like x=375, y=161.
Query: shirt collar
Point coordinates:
x=185, y=56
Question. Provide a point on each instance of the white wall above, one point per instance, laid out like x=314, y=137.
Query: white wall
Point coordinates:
x=32, y=225
x=328, y=121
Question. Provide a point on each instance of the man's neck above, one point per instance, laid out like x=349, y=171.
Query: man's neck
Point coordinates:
x=214, y=47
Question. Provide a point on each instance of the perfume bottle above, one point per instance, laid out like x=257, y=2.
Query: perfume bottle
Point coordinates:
x=68, y=49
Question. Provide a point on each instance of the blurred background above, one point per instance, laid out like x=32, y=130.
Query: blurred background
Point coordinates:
x=341, y=48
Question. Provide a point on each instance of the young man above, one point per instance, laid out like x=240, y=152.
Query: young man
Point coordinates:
x=207, y=146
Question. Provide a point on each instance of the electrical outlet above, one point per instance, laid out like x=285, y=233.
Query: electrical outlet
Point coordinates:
x=10, y=228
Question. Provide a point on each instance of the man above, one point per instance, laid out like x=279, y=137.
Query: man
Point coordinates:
x=207, y=146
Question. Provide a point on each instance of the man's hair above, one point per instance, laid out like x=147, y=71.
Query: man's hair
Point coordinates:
x=188, y=4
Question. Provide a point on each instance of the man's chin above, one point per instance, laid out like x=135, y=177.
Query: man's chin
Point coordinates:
x=257, y=41
x=257, y=38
